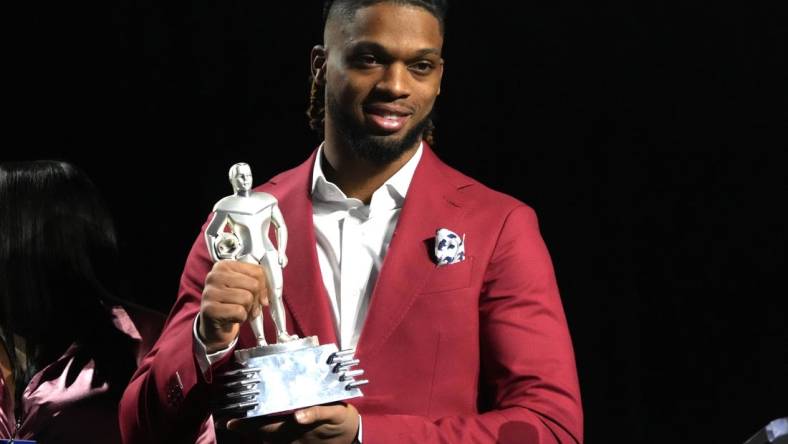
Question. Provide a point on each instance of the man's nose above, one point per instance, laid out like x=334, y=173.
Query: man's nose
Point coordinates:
x=395, y=81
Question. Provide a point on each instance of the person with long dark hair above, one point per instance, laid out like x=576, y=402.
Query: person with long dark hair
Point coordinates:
x=68, y=345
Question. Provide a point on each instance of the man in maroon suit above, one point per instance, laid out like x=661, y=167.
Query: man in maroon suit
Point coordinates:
x=472, y=348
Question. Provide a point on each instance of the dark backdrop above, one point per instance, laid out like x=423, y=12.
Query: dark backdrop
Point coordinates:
x=649, y=137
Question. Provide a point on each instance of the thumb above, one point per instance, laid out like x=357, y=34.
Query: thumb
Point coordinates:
x=320, y=413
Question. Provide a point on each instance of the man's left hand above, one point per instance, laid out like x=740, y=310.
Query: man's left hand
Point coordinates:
x=324, y=424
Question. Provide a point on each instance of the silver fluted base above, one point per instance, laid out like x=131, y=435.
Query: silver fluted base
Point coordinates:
x=283, y=377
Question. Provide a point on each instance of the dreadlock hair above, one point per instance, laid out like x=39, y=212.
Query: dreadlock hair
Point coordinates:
x=347, y=8
x=58, y=273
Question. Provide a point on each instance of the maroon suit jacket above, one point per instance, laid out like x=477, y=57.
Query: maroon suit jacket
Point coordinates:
x=476, y=351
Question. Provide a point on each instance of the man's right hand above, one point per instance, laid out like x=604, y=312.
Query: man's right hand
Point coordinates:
x=233, y=292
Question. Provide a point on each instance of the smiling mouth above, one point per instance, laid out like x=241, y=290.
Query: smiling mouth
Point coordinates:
x=387, y=119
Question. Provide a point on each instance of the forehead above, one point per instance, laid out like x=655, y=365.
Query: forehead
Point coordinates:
x=394, y=26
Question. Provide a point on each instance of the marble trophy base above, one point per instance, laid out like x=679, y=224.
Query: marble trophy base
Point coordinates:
x=279, y=378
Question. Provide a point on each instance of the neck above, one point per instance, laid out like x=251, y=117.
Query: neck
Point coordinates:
x=357, y=177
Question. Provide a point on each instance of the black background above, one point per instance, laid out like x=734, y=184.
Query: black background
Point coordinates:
x=650, y=138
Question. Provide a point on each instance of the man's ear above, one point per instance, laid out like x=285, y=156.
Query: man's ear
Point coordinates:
x=318, y=64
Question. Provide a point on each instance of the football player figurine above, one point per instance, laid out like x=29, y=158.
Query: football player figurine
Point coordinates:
x=239, y=230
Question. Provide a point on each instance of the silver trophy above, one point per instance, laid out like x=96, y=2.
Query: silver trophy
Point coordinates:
x=295, y=372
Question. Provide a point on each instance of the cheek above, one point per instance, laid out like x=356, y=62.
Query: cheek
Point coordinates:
x=426, y=90
x=341, y=87
x=351, y=95
x=427, y=96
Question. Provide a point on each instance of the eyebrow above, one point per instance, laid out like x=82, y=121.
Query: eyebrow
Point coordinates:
x=377, y=47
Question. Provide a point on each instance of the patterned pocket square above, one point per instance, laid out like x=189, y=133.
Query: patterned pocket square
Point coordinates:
x=449, y=247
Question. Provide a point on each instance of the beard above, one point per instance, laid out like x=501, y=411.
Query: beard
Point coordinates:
x=376, y=149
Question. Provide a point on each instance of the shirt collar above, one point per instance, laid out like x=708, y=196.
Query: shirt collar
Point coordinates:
x=397, y=185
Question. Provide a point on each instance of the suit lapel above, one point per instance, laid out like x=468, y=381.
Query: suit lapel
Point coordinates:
x=304, y=293
x=432, y=202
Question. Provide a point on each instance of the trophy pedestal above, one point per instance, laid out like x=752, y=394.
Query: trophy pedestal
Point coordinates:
x=282, y=377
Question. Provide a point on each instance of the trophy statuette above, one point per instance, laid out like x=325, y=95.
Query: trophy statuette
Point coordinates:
x=293, y=372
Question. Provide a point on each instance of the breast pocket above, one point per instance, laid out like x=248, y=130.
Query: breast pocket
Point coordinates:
x=450, y=277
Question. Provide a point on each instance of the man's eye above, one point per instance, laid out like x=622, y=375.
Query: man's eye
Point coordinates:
x=422, y=67
x=367, y=59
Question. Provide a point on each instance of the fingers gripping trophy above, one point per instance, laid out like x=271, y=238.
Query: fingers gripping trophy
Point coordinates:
x=294, y=372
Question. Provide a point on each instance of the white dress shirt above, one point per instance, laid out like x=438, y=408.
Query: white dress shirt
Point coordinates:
x=352, y=240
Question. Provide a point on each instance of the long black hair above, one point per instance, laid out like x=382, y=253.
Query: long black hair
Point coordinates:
x=58, y=271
